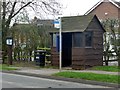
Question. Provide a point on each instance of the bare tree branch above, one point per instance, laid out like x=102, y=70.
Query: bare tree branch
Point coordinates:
x=21, y=9
x=11, y=13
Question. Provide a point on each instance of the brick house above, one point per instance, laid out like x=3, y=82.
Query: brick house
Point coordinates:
x=105, y=9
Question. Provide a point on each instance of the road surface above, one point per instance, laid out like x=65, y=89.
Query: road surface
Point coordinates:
x=21, y=81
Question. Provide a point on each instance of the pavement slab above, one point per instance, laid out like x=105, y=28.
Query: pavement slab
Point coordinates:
x=47, y=71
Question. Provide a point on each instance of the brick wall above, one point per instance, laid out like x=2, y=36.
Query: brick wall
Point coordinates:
x=106, y=10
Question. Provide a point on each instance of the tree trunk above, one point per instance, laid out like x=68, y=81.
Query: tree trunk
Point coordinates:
x=30, y=55
x=10, y=61
x=18, y=55
x=3, y=32
x=119, y=59
x=106, y=61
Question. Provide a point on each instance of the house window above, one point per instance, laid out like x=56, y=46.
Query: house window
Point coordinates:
x=88, y=39
x=77, y=39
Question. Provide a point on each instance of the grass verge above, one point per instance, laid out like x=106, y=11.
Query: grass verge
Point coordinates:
x=107, y=68
x=6, y=67
x=90, y=76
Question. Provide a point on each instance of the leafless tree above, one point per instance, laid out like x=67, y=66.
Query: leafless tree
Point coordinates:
x=111, y=39
x=13, y=8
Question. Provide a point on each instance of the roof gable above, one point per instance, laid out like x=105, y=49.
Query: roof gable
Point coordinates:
x=115, y=3
x=96, y=24
x=76, y=23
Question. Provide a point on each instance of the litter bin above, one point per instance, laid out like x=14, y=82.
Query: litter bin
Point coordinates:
x=40, y=57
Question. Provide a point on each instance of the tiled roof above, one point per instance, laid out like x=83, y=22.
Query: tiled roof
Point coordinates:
x=44, y=22
x=117, y=4
x=75, y=23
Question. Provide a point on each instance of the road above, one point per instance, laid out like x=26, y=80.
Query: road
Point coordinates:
x=21, y=81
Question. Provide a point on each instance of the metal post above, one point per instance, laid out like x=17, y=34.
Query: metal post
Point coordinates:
x=60, y=51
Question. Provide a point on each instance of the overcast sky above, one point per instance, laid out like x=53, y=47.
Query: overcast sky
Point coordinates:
x=71, y=8
x=77, y=7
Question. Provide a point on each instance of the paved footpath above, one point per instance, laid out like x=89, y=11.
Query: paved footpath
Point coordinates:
x=38, y=71
x=45, y=71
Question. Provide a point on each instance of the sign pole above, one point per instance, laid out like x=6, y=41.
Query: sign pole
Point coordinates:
x=58, y=24
x=60, y=51
x=9, y=42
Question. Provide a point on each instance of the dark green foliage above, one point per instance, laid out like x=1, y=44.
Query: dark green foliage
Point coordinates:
x=28, y=38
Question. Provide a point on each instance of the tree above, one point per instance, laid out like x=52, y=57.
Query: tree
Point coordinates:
x=26, y=39
x=111, y=40
x=12, y=9
x=115, y=38
x=0, y=30
x=107, y=52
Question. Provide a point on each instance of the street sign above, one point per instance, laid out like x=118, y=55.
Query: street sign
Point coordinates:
x=9, y=41
x=57, y=23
